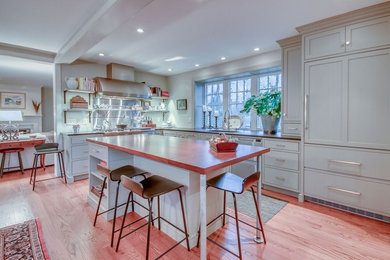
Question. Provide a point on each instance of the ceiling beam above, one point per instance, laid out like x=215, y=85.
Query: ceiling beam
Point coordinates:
x=26, y=53
x=105, y=21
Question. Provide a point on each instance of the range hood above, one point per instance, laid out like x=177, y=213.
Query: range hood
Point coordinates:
x=120, y=83
x=122, y=88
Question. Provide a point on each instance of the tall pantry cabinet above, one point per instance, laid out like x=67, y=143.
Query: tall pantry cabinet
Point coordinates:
x=346, y=62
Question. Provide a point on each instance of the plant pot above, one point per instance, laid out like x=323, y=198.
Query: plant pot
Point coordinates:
x=270, y=124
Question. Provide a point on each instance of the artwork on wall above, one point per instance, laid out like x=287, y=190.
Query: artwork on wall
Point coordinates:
x=182, y=104
x=13, y=100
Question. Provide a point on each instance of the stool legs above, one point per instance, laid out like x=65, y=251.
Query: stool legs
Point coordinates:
x=150, y=201
x=158, y=212
x=124, y=220
x=35, y=170
x=258, y=214
x=62, y=166
x=2, y=165
x=184, y=219
x=237, y=226
x=224, y=208
x=100, y=201
x=20, y=163
x=115, y=209
x=32, y=170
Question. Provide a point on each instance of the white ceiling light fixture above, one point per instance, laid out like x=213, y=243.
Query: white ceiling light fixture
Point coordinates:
x=175, y=58
x=196, y=65
x=101, y=54
x=169, y=69
x=256, y=49
x=140, y=30
x=223, y=58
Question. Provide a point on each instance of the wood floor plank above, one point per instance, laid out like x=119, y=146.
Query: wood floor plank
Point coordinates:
x=298, y=231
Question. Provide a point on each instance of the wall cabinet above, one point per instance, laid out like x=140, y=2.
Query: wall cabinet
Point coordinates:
x=353, y=37
x=292, y=85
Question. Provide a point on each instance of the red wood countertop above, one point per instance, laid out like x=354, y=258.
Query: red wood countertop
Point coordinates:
x=21, y=143
x=193, y=155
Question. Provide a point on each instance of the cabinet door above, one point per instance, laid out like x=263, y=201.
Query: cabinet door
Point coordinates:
x=369, y=99
x=368, y=34
x=325, y=43
x=325, y=101
x=291, y=102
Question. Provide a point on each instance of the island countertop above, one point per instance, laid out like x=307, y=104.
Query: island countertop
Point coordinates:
x=193, y=155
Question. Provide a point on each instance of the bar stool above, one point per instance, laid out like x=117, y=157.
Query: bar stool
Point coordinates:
x=229, y=182
x=115, y=175
x=40, y=151
x=149, y=188
x=6, y=151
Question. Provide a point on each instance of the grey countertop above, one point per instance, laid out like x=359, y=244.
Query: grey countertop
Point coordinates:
x=111, y=133
x=254, y=133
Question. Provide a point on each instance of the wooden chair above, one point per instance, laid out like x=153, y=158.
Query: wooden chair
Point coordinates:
x=6, y=151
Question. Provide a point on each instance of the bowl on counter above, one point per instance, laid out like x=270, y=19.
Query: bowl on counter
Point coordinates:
x=121, y=126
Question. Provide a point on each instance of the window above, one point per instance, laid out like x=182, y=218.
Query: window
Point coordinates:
x=231, y=92
x=214, y=100
x=239, y=92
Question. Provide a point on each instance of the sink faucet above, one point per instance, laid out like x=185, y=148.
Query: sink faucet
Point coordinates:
x=226, y=119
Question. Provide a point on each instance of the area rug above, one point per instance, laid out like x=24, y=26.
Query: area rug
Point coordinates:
x=269, y=206
x=23, y=241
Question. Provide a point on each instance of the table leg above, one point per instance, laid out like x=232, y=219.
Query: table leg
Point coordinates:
x=203, y=233
x=258, y=238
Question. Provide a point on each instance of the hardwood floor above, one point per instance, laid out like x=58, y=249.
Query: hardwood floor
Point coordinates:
x=298, y=231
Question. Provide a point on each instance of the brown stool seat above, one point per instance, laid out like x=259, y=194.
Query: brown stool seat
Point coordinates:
x=127, y=170
x=233, y=183
x=47, y=148
x=156, y=185
x=12, y=150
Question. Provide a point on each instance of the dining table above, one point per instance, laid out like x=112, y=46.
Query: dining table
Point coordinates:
x=193, y=160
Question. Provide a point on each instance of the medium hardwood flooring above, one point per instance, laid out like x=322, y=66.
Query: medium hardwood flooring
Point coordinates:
x=298, y=231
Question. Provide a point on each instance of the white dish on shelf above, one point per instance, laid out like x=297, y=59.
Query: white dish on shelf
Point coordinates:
x=235, y=122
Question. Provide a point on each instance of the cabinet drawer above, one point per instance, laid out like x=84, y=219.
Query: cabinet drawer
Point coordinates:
x=80, y=152
x=281, y=145
x=282, y=160
x=81, y=139
x=359, y=162
x=349, y=191
x=279, y=178
x=98, y=151
x=79, y=167
x=325, y=43
x=292, y=129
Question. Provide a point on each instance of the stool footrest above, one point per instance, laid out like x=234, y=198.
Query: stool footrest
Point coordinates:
x=48, y=179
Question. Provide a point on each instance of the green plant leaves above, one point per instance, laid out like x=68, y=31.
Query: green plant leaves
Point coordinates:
x=266, y=103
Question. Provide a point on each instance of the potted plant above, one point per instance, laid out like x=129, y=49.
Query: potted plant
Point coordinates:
x=267, y=106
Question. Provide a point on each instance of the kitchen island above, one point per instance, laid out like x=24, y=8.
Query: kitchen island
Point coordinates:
x=189, y=162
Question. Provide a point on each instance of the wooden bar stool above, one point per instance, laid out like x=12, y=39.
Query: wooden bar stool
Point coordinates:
x=40, y=151
x=6, y=151
x=115, y=175
x=149, y=188
x=229, y=182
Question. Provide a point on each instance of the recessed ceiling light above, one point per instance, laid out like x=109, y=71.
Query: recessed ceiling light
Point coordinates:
x=140, y=30
x=196, y=65
x=175, y=58
x=256, y=49
x=223, y=58
x=101, y=54
x=169, y=69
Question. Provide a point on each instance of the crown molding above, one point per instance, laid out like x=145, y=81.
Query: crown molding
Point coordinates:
x=363, y=13
x=290, y=41
x=26, y=53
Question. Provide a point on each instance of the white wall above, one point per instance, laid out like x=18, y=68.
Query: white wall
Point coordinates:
x=151, y=79
x=47, y=109
x=32, y=93
x=182, y=86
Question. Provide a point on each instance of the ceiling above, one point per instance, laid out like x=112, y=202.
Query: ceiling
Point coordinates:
x=201, y=31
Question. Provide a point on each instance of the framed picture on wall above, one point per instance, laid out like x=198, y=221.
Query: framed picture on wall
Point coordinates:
x=13, y=100
x=182, y=104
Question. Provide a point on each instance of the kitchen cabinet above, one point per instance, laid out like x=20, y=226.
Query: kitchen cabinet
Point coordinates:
x=347, y=100
x=292, y=85
x=358, y=36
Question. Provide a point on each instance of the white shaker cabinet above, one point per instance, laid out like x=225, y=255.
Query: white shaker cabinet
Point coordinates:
x=325, y=43
x=292, y=86
x=325, y=99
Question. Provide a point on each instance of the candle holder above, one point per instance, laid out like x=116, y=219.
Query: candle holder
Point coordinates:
x=216, y=122
x=204, y=120
x=210, y=126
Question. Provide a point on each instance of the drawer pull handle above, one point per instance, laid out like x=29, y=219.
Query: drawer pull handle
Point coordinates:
x=292, y=128
x=280, y=160
x=281, y=145
x=345, y=191
x=280, y=178
x=305, y=113
x=345, y=162
x=96, y=151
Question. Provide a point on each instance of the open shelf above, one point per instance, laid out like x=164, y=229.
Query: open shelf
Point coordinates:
x=151, y=111
x=155, y=97
x=79, y=91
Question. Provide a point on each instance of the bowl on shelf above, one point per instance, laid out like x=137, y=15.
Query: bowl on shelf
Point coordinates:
x=121, y=126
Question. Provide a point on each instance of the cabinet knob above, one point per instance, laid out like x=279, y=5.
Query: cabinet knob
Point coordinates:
x=347, y=43
x=284, y=114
